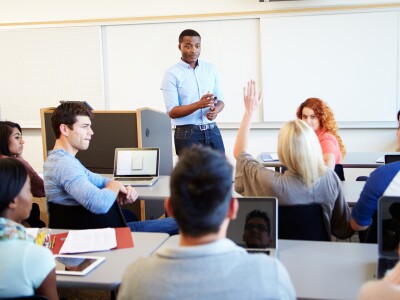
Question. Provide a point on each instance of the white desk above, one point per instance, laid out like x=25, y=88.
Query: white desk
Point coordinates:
x=324, y=270
x=108, y=275
x=351, y=160
x=160, y=190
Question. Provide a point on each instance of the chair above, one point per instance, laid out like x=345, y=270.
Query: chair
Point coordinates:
x=362, y=178
x=339, y=171
x=302, y=222
x=78, y=217
x=370, y=235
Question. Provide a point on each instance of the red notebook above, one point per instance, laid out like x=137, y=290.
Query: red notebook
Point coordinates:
x=123, y=234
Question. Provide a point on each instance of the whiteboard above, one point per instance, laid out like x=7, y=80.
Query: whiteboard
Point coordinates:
x=41, y=66
x=137, y=56
x=348, y=60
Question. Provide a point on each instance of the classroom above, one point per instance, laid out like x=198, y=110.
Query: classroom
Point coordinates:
x=113, y=54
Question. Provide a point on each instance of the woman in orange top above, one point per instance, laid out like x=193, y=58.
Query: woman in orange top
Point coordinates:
x=317, y=114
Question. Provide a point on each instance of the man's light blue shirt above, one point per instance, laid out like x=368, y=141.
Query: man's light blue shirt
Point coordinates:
x=183, y=85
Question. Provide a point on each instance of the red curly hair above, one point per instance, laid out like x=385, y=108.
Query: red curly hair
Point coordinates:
x=325, y=116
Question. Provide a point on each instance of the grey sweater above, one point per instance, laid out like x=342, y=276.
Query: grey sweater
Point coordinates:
x=253, y=179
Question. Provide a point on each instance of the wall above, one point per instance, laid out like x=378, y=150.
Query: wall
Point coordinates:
x=62, y=12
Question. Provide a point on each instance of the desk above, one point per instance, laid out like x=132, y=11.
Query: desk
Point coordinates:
x=160, y=190
x=351, y=160
x=324, y=270
x=108, y=275
x=352, y=190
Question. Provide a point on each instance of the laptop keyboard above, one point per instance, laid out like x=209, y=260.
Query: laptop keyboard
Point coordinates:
x=134, y=179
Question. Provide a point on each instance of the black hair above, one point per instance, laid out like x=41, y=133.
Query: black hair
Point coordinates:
x=66, y=113
x=6, y=128
x=259, y=214
x=398, y=115
x=188, y=32
x=13, y=176
x=201, y=189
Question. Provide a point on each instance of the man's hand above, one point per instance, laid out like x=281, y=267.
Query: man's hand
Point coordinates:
x=127, y=195
x=206, y=100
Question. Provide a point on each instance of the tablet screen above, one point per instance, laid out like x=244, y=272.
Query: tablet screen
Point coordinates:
x=76, y=265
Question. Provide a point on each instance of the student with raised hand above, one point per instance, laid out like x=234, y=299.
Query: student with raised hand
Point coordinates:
x=26, y=268
x=68, y=183
x=12, y=145
x=205, y=264
x=319, y=116
x=307, y=179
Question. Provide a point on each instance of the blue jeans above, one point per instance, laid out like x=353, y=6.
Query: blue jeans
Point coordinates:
x=187, y=135
x=166, y=225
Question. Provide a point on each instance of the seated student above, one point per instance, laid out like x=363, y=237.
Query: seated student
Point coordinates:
x=257, y=230
x=307, y=179
x=205, y=265
x=12, y=145
x=26, y=268
x=68, y=183
x=384, y=181
x=319, y=116
x=387, y=288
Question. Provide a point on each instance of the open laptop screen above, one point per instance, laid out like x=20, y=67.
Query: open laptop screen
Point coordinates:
x=389, y=226
x=136, y=162
x=255, y=232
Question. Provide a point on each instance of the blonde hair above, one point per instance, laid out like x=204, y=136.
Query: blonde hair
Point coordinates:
x=300, y=151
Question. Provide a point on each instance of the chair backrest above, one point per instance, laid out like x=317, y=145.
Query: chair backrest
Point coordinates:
x=339, y=171
x=78, y=217
x=302, y=222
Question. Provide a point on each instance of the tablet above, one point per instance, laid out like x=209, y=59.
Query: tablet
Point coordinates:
x=76, y=265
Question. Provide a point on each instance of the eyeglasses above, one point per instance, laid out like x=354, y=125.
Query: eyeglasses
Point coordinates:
x=259, y=227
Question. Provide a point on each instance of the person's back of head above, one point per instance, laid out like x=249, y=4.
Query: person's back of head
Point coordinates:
x=13, y=176
x=6, y=128
x=300, y=151
x=188, y=32
x=201, y=189
x=66, y=113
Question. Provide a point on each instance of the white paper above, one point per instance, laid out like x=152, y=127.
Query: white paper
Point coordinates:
x=33, y=232
x=89, y=240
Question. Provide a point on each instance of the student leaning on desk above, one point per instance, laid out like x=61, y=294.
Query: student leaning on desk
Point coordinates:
x=68, y=183
x=307, y=179
x=26, y=268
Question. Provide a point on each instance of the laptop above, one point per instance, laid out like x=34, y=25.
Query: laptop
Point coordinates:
x=254, y=235
x=137, y=166
x=390, y=158
x=388, y=233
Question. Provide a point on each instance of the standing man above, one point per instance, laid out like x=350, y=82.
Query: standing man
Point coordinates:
x=193, y=97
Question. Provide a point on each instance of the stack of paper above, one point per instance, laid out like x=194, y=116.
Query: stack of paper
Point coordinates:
x=90, y=240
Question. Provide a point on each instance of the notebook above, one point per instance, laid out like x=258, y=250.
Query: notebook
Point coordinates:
x=137, y=166
x=388, y=233
x=254, y=235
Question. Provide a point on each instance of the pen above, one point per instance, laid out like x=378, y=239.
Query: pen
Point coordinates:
x=53, y=242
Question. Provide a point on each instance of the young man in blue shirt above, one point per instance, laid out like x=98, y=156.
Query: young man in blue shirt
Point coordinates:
x=193, y=97
x=67, y=182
